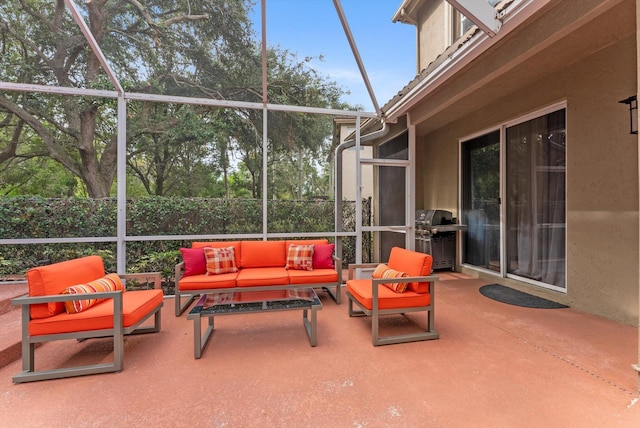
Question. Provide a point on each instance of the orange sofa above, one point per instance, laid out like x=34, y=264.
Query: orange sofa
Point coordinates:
x=259, y=265
x=75, y=299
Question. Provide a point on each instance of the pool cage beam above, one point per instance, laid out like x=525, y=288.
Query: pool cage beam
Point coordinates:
x=122, y=99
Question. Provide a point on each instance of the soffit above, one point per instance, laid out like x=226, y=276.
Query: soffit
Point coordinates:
x=559, y=35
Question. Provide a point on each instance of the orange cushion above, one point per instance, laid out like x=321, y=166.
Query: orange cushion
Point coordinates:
x=135, y=306
x=221, y=244
x=383, y=271
x=255, y=254
x=414, y=264
x=306, y=242
x=361, y=290
x=52, y=279
x=300, y=257
x=316, y=276
x=249, y=277
x=207, y=282
x=110, y=282
x=220, y=260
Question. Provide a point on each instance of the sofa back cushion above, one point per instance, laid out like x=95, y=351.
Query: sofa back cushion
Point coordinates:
x=53, y=279
x=414, y=264
x=262, y=254
x=306, y=242
x=221, y=244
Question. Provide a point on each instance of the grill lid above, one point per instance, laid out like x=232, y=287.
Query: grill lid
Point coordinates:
x=433, y=217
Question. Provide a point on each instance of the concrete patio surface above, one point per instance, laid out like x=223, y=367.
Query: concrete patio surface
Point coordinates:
x=495, y=365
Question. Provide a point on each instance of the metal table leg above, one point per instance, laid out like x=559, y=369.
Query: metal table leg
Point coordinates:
x=200, y=341
x=311, y=325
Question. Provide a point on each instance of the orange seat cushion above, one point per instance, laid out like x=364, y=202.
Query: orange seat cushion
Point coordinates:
x=362, y=291
x=53, y=279
x=413, y=264
x=250, y=277
x=135, y=306
x=206, y=282
x=315, y=276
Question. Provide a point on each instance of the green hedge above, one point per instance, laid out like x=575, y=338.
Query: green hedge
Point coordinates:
x=35, y=217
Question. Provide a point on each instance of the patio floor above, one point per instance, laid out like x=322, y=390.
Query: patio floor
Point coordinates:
x=495, y=365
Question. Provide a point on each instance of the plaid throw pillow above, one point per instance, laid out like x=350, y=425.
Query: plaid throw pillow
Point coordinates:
x=300, y=257
x=110, y=282
x=220, y=260
x=384, y=271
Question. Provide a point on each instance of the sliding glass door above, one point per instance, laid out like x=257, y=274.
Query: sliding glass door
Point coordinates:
x=535, y=210
x=481, y=201
x=529, y=196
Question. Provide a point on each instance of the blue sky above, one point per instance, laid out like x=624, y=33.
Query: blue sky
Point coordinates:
x=313, y=28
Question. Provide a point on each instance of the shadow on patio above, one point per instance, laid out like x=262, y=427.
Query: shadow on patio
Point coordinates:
x=495, y=365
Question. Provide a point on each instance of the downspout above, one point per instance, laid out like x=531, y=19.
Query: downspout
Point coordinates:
x=338, y=157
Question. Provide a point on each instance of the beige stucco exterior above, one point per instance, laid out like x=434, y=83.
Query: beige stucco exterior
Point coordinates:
x=579, y=53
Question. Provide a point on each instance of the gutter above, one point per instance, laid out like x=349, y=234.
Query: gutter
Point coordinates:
x=463, y=56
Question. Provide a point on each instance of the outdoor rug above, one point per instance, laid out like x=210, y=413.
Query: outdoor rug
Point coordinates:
x=510, y=296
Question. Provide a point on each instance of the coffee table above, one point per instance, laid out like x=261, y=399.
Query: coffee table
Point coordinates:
x=243, y=302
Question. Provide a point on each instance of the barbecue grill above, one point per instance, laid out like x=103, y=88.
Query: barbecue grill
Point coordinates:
x=436, y=235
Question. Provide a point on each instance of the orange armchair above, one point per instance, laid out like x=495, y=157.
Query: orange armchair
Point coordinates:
x=375, y=298
x=74, y=299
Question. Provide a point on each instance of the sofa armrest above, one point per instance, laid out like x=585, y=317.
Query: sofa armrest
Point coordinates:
x=179, y=273
x=337, y=262
x=148, y=277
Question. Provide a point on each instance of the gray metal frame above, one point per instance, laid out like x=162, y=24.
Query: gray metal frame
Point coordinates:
x=191, y=296
x=30, y=374
x=429, y=334
x=200, y=340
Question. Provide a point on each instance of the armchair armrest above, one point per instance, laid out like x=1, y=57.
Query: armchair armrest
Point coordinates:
x=154, y=277
x=377, y=281
x=353, y=266
x=32, y=300
x=26, y=301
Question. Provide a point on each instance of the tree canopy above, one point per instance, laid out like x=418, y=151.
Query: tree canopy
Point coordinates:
x=200, y=48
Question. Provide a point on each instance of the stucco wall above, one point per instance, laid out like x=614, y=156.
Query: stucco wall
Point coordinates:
x=602, y=175
x=432, y=29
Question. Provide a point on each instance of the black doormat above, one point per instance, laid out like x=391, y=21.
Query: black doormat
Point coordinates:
x=518, y=298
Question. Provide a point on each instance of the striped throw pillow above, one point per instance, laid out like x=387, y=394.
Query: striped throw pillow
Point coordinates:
x=110, y=282
x=300, y=257
x=385, y=272
x=220, y=260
